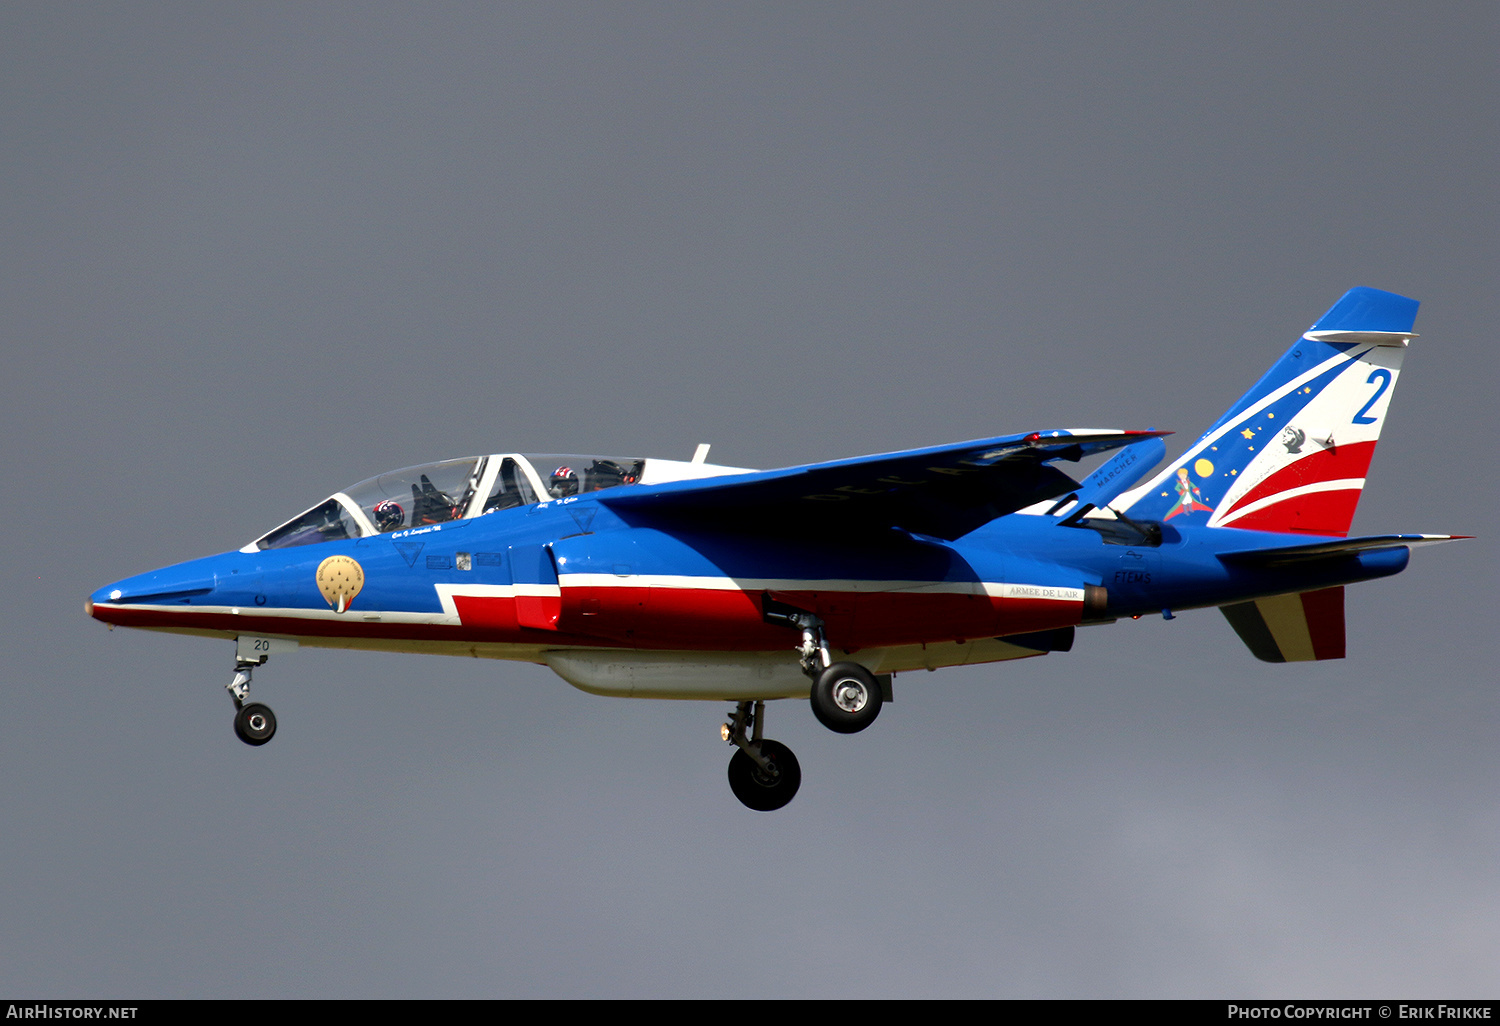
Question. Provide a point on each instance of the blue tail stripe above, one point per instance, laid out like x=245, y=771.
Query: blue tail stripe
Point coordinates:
x=1304, y=355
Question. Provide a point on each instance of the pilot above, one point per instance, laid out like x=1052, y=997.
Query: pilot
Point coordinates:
x=608, y=474
x=564, y=483
x=389, y=516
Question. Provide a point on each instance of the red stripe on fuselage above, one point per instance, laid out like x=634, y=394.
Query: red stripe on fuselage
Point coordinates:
x=708, y=618
x=188, y=618
x=703, y=619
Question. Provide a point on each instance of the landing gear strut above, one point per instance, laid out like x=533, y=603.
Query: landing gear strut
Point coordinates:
x=845, y=696
x=763, y=774
x=254, y=723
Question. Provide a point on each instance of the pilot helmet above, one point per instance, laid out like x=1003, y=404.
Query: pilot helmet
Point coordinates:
x=564, y=483
x=389, y=515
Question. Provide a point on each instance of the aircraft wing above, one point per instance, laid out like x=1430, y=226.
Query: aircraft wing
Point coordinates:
x=945, y=491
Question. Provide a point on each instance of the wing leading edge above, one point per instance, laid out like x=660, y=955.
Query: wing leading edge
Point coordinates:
x=945, y=491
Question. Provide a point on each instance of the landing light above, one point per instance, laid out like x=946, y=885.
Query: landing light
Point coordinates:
x=723, y=732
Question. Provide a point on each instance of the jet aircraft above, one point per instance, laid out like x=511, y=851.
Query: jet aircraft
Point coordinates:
x=654, y=578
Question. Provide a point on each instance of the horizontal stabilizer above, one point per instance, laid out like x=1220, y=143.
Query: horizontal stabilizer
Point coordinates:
x=1291, y=628
x=1292, y=554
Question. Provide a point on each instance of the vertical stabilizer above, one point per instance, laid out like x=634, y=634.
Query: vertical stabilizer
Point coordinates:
x=1293, y=453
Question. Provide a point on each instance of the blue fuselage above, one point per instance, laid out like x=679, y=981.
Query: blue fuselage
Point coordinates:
x=573, y=573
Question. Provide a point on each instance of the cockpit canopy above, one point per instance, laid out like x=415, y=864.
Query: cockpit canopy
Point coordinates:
x=436, y=493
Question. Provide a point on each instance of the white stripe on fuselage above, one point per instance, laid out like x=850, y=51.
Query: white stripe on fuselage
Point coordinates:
x=753, y=584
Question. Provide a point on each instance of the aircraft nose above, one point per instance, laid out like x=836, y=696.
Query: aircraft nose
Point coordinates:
x=92, y=606
x=96, y=604
x=184, y=584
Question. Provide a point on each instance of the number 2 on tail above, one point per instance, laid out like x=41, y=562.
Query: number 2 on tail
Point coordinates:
x=1384, y=377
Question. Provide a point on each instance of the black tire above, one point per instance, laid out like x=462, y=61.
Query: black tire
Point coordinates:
x=846, y=698
x=255, y=724
x=760, y=791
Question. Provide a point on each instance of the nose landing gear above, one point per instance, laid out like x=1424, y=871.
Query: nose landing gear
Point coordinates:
x=254, y=723
x=763, y=774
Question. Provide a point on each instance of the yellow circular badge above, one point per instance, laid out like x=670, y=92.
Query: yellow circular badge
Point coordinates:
x=339, y=579
x=1204, y=468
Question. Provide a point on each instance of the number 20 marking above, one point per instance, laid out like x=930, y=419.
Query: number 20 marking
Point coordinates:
x=1384, y=377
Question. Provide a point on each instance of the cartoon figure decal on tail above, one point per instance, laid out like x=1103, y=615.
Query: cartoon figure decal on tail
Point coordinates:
x=1188, y=496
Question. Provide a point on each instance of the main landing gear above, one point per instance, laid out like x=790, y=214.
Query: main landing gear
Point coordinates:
x=254, y=723
x=845, y=696
x=764, y=774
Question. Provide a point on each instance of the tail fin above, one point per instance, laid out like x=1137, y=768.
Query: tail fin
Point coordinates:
x=1292, y=454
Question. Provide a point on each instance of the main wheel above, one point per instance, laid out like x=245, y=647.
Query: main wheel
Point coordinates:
x=846, y=698
x=762, y=791
x=255, y=724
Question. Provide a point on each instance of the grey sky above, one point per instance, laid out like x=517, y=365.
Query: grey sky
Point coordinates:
x=255, y=253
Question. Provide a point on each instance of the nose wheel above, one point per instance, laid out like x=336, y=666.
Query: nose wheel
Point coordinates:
x=763, y=774
x=254, y=723
x=765, y=789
